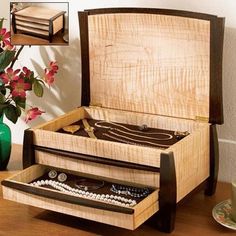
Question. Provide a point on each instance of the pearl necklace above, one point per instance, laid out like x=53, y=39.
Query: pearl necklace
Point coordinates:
x=131, y=131
x=112, y=199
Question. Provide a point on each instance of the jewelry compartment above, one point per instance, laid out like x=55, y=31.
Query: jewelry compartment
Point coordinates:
x=104, y=205
x=47, y=135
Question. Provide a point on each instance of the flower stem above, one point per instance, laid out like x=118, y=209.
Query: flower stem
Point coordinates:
x=16, y=57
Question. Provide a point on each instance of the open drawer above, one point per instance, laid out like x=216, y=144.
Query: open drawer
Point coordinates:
x=19, y=188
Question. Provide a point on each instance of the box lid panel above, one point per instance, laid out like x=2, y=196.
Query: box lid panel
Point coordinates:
x=150, y=63
x=38, y=12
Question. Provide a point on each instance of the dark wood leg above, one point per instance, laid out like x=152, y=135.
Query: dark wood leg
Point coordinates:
x=50, y=31
x=63, y=27
x=214, y=162
x=14, y=23
x=28, y=150
x=164, y=220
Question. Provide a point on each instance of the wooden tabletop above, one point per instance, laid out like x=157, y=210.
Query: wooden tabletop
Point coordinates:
x=193, y=217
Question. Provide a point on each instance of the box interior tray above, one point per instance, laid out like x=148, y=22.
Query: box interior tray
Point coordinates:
x=125, y=133
x=26, y=187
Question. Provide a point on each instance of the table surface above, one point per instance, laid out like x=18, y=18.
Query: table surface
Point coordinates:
x=192, y=218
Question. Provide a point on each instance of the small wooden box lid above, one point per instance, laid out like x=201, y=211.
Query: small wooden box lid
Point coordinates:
x=155, y=61
x=38, y=12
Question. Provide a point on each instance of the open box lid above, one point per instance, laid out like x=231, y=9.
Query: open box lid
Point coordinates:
x=155, y=61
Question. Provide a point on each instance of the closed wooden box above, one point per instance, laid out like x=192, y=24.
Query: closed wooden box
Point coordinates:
x=157, y=67
x=38, y=21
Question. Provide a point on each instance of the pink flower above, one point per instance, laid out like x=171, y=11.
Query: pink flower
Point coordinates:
x=10, y=75
x=19, y=87
x=32, y=114
x=53, y=66
x=26, y=72
x=49, y=77
x=5, y=38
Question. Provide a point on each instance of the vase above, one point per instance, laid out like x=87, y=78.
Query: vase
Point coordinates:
x=5, y=144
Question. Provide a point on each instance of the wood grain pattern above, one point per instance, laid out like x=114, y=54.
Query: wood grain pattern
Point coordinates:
x=133, y=176
x=63, y=120
x=38, y=21
x=38, y=12
x=101, y=148
x=150, y=63
x=32, y=30
x=31, y=24
x=192, y=161
x=136, y=118
x=193, y=217
x=94, y=159
x=43, y=135
x=57, y=24
x=64, y=197
x=142, y=211
x=117, y=151
x=31, y=19
x=107, y=217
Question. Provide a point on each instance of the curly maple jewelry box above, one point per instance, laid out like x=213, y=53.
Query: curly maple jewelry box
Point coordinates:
x=153, y=68
x=38, y=21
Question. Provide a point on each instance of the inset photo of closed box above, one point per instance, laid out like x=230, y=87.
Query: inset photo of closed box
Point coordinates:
x=41, y=23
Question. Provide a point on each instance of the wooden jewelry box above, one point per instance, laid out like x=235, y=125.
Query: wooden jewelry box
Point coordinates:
x=38, y=21
x=144, y=71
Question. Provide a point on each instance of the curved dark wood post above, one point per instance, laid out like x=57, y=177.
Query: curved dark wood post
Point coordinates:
x=164, y=219
x=28, y=149
x=13, y=20
x=50, y=30
x=214, y=162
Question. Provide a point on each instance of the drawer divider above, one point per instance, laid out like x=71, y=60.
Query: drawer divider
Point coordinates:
x=97, y=159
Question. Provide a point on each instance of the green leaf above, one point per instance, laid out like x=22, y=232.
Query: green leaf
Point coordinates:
x=2, y=98
x=18, y=111
x=5, y=59
x=38, y=89
x=1, y=22
x=11, y=113
x=3, y=90
x=20, y=102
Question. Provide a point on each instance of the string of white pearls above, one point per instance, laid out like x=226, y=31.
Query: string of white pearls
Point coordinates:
x=113, y=199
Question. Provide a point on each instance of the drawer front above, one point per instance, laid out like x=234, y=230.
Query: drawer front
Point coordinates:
x=100, y=148
x=17, y=188
x=32, y=25
x=132, y=175
x=32, y=20
x=32, y=30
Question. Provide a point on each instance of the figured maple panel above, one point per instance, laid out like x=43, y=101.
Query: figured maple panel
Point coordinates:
x=192, y=163
x=150, y=63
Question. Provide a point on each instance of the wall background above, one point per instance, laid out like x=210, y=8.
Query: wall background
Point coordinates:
x=65, y=95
